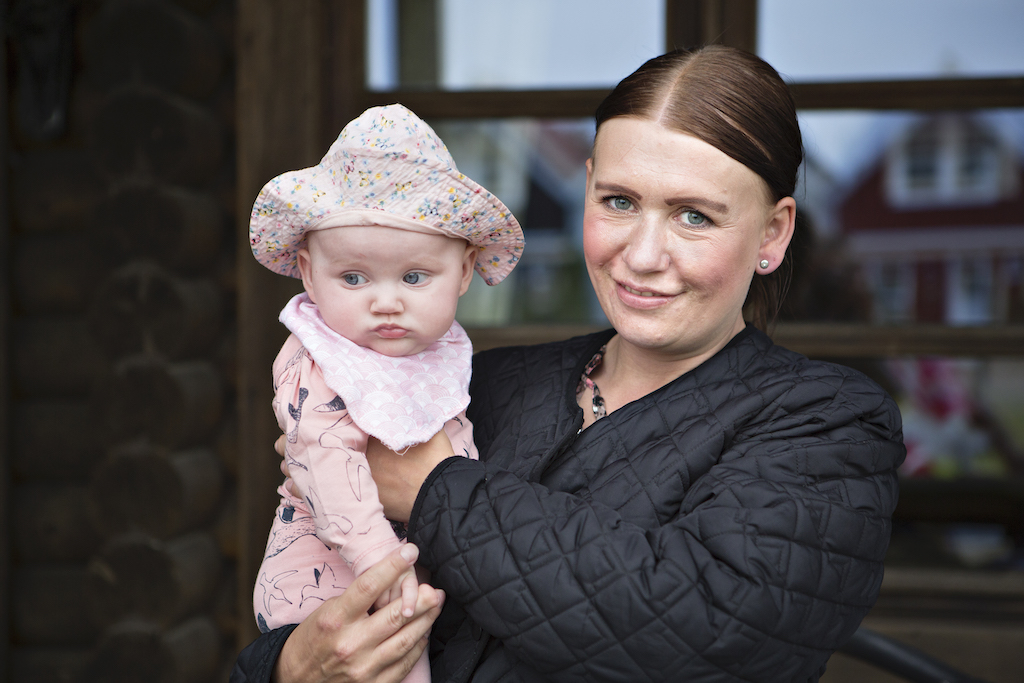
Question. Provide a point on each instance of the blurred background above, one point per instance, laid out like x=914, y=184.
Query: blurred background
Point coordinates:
x=137, y=333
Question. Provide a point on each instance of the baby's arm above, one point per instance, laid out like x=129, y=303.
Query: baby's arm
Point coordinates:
x=326, y=458
x=340, y=492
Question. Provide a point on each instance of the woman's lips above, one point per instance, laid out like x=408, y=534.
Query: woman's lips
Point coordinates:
x=640, y=298
x=391, y=331
x=638, y=292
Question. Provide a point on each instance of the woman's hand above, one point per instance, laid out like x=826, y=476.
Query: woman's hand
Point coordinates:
x=341, y=642
x=399, y=477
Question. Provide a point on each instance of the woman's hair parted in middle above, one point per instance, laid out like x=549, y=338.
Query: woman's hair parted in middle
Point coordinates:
x=735, y=102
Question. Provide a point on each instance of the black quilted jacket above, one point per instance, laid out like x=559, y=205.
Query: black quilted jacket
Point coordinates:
x=730, y=526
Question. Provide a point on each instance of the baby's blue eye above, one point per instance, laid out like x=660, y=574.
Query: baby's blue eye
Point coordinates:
x=353, y=279
x=694, y=218
x=621, y=204
x=414, y=278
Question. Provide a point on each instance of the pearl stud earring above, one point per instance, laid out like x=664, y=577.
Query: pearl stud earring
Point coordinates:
x=764, y=263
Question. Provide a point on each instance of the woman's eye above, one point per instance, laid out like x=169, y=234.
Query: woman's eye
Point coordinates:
x=621, y=204
x=353, y=279
x=694, y=218
x=414, y=278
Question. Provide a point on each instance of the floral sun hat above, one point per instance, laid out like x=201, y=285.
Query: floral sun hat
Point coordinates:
x=387, y=168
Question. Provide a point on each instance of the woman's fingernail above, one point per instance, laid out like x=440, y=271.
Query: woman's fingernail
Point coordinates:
x=410, y=552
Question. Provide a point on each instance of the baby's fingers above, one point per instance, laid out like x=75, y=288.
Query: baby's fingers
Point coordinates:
x=409, y=593
x=378, y=580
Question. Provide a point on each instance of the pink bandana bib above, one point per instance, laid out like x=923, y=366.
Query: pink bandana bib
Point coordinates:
x=401, y=400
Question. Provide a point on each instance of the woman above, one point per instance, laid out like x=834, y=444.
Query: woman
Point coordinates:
x=675, y=498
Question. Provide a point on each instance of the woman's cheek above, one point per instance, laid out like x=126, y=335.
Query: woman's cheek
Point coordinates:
x=599, y=240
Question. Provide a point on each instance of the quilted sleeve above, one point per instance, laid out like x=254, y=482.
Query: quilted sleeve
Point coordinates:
x=769, y=563
x=326, y=455
x=255, y=664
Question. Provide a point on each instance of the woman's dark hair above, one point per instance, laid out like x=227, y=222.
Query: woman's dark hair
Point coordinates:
x=736, y=102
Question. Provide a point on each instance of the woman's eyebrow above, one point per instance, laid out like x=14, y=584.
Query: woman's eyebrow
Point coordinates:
x=613, y=187
x=700, y=202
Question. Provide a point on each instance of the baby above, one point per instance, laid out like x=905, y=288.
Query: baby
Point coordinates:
x=385, y=234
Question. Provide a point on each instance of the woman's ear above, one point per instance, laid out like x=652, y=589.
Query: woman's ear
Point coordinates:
x=305, y=264
x=778, y=231
x=468, y=262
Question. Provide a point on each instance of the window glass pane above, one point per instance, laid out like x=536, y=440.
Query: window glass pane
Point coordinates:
x=810, y=40
x=537, y=168
x=495, y=44
x=911, y=218
x=961, y=416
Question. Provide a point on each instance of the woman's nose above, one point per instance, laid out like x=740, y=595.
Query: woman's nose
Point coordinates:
x=645, y=250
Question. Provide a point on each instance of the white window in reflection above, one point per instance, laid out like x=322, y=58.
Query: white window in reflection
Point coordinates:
x=926, y=208
x=893, y=289
x=969, y=299
x=979, y=164
x=526, y=44
x=811, y=40
x=951, y=160
x=537, y=168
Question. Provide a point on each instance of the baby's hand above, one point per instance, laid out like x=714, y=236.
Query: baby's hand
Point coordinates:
x=406, y=588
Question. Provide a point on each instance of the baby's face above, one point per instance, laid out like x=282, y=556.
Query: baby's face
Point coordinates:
x=394, y=291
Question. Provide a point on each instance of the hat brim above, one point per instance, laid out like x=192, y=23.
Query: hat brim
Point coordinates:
x=350, y=190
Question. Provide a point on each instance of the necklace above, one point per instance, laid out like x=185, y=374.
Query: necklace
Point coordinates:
x=597, y=402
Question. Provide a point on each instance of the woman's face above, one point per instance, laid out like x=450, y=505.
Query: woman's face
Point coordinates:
x=673, y=231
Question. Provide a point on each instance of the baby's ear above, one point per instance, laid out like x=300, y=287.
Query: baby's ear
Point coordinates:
x=468, y=262
x=305, y=264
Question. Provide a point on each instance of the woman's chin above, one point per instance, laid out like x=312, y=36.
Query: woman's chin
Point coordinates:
x=645, y=334
x=652, y=326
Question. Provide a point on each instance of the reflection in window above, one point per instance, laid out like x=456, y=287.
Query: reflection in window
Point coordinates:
x=951, y=160
x=931, y=213
x=893, y=289
x=969, y=297
x=961, y=416
x=922, y=159
x=537, y=168
x=1010, y=290
x=979, y=160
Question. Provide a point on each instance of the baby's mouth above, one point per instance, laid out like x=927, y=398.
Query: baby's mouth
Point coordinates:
x=390, y=331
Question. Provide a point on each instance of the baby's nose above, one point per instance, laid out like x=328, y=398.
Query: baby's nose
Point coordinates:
x=386, y=303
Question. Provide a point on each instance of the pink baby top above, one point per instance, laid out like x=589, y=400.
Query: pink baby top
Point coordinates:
x=331, y=394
